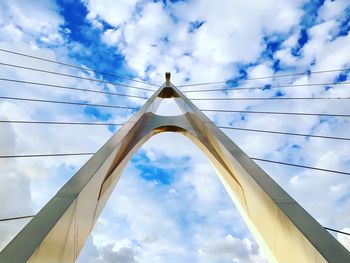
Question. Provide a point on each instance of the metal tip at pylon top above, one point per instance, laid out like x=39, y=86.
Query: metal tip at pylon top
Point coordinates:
x=167, y=78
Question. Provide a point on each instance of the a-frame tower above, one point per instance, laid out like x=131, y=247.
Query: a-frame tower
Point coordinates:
x=280, y=225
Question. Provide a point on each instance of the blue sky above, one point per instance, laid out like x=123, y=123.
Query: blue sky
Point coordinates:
x=169, y=205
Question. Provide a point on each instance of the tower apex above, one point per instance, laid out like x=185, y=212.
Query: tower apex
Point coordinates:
x=167, y=78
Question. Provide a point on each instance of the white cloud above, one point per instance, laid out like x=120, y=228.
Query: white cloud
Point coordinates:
x=114, y=12
x=124, y=254
x=331, y=9
x=220, y=42
x=151, y=220
x=15, y=194
x=192, y=219
x=27, y=184
x=37, y=19
x=345, y=240
x=111, y=37
x=230, y=249
x=234, y=35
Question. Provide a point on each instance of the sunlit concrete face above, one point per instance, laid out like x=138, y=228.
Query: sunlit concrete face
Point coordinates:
x=286, y=232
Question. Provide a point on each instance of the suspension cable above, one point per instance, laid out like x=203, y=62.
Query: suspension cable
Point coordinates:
x=71, y=88
x=271, y=87
x=269, y=77
x=75, y=66
x=278, y=113
x=74, y=76
x=70, y=103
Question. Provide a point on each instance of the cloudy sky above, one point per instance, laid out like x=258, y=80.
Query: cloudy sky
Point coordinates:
x=169, y=205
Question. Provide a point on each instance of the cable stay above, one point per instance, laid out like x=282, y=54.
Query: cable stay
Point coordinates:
x=31, y=216
x=337, y=231
x=71, y=88
x=62, y=123
x=278, y=113
x=285, y=133
x=74, y=76
x=301, y=166
x=271, y=87
x=204, y=110
x=45, y=155
x=253, y=158
x=222, y=127
x=268, y=77
x=71, y=103
x=273, y=98
x=75, y=66
x=15, y=218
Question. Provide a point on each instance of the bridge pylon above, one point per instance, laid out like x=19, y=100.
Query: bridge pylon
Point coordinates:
x=280, y=225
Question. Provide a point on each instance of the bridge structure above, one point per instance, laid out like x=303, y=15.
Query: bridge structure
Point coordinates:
x=283, y=229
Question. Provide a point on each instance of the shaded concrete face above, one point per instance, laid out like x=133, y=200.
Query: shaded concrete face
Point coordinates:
x=286, y=232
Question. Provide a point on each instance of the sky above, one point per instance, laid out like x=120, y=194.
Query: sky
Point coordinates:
x=169, y=205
